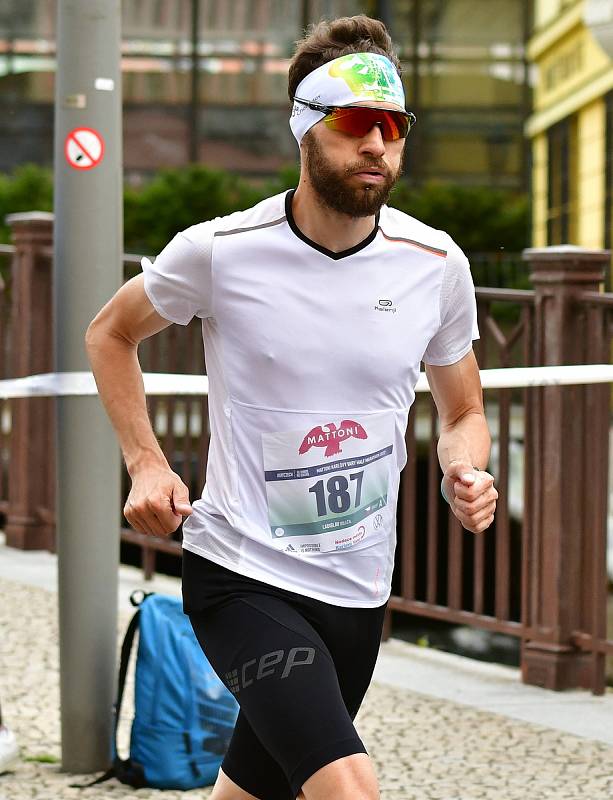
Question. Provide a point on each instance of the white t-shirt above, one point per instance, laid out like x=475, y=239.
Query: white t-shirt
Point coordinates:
x=312, y=358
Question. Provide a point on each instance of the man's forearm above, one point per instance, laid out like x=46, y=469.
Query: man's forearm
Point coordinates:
x=466, y=440
x=120, y=385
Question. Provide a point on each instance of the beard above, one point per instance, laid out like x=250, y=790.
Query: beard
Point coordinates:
x=334, y=188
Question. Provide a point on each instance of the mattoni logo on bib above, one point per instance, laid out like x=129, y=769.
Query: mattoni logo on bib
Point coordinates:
x=330, y=437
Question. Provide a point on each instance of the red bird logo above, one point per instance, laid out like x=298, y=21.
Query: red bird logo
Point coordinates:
x=330, y=437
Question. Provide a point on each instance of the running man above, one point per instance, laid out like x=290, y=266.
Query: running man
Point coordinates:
x=317, y=307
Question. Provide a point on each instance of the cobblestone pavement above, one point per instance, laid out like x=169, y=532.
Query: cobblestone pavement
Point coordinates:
x=423, y=748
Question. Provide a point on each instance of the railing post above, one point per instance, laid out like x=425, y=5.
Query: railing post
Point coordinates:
x=30, y=524
x=559, y=582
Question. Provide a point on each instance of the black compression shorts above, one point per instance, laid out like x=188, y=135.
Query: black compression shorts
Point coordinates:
x=299, y=669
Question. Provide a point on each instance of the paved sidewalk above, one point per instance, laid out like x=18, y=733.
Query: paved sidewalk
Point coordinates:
x=438, y=727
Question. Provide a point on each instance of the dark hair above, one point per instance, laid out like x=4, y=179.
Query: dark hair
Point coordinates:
x=328, y=40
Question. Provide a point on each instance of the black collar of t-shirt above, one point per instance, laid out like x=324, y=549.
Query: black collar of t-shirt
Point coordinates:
x=342, y=253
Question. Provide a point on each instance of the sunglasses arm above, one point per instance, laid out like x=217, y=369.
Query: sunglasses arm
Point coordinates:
x=315, y=106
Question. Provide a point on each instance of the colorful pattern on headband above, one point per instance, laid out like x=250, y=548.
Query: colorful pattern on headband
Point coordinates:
x=369, y=74
x=349, y=79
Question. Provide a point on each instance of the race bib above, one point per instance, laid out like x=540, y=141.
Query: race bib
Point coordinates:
x=327, y=487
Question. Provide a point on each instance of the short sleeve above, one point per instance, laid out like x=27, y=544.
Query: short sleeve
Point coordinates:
x=178, y=282
x=458, y=312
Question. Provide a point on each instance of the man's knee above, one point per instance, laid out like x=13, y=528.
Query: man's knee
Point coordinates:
x=225, y=789
x=349, y=778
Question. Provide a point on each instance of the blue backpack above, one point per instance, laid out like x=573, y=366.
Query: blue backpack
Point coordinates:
x=184, y=715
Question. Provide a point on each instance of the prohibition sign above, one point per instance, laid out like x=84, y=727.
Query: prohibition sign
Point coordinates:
x=84, y=148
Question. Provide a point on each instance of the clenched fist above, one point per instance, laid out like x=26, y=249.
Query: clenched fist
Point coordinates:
x=471, y=495
x=157, y=501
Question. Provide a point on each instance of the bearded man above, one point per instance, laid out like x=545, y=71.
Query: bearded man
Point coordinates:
x=317, y=307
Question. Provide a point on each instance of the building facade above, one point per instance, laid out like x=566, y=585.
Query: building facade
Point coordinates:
x=571, y=128
x=464, y=68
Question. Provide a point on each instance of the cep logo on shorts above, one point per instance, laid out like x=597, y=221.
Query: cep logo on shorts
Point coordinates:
x=332, y=437
x=268, y=664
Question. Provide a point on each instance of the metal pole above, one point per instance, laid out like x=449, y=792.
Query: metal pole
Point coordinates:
x=305, y=16
x=88, y=244
x=194, y=122
x=384, y=13
x=414, y=97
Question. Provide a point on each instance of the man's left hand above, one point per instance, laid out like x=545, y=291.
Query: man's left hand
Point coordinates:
x=472, y=495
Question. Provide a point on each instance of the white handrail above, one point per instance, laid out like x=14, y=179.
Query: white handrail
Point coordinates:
x=73, y=384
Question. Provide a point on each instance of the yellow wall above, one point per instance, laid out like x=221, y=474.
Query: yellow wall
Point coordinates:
x=574, y=61
x=573, y=75
x=539, y=191
x=546, y=11
x=591, y=168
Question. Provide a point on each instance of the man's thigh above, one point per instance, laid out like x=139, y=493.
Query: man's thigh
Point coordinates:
x=353, y=638
x=249, y=765
x=282, y=674
x=350, y=777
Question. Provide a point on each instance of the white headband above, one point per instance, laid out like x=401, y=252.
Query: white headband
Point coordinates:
x=346, y=80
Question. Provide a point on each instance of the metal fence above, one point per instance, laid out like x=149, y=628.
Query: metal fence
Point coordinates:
x=538, y=573
x=6, y=252
x=445, y=572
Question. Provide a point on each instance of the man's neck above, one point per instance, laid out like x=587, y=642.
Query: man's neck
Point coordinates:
x=325, y=226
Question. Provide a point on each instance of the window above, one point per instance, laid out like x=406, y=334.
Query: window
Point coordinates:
x=562, y=182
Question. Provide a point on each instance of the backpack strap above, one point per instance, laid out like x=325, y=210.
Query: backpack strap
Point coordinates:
x=126, y=649
x=124, y=770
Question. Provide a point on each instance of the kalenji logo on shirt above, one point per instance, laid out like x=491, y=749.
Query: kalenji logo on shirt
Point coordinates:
x=386, y=305
x=332, y=437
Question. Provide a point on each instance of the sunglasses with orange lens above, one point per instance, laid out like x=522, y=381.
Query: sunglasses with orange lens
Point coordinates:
x=360, y=120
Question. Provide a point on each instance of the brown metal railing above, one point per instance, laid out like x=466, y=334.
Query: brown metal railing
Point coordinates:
x=538, y=573
x=596, y=310
x=480, y=581
x=496, y=580
x=6, y=253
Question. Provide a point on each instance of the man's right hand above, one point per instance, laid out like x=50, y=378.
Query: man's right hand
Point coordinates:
x=157, y=502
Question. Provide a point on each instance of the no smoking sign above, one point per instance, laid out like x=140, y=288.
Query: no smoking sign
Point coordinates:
x=84, y=148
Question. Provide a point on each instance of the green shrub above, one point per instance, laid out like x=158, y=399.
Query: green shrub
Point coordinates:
x=178, y=198
x=28, y=188
x=287, y=178
x=478, y=218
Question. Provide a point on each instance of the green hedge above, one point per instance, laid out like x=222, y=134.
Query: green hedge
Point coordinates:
x=478, y=218
x=28, y=188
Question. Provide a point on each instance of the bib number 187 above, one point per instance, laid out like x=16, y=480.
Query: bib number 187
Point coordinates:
x=335, y=496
